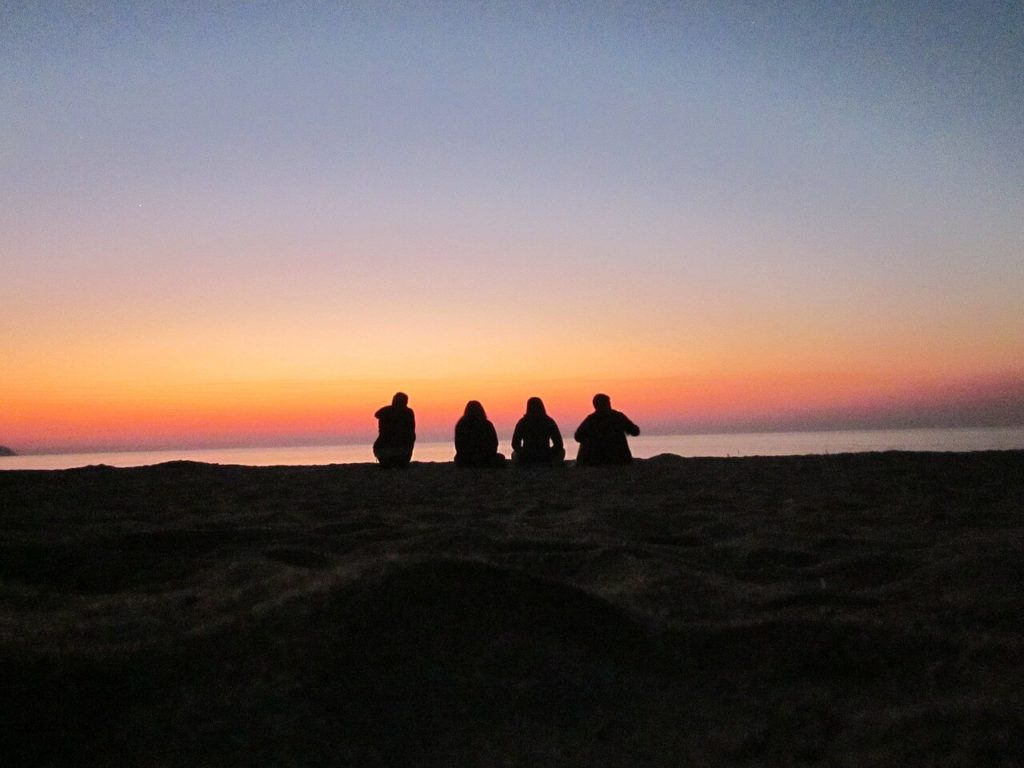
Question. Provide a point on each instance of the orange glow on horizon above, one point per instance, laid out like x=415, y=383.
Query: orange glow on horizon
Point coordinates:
x=309, y=412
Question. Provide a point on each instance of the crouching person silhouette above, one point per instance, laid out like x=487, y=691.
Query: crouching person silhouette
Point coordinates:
x=536, y=439
x=396, y=432
x=602, y=435
x=476, y=441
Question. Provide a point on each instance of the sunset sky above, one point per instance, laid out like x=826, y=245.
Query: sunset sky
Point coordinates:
x=251, y=223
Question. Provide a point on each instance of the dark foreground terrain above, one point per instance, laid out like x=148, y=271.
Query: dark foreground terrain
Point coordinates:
x=854, y=610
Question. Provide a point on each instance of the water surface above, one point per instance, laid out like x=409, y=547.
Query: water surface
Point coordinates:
x=645, y=446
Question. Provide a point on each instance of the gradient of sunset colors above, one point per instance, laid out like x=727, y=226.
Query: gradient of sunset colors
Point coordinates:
x=251, y=223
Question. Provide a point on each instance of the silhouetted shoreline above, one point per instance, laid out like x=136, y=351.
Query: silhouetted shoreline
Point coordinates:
x=847, y=609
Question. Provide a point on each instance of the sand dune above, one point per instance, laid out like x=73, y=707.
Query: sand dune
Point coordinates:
x=823, y=610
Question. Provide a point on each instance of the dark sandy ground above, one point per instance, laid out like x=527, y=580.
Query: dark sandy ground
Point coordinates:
x=852, y=610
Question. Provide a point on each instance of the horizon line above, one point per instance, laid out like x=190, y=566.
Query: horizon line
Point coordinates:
x=434, y=439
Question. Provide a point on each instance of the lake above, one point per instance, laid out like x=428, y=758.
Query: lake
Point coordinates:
x=645, y=446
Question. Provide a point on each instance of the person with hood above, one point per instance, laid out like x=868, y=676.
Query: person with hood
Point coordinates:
x=396, y=432
x=536, y=439
x=602, y=435
x=476, y=441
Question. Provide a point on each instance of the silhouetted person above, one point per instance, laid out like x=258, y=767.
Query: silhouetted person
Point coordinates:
x=602, y=435
x=536, y=439
x=476, y=441
x=396, y=432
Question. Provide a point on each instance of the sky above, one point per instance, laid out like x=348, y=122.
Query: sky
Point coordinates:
x=252, y=223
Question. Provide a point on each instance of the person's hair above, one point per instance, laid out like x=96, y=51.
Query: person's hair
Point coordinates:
x=535, y=407
x=474, y=410
x=602, y=401
x=400, y=398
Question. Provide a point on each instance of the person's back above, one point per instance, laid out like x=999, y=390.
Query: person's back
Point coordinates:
x=537, y=439
x=602, y=435
x=476, y=440
x=396, y=432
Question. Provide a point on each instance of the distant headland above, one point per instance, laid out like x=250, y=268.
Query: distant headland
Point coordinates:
x=5, y=451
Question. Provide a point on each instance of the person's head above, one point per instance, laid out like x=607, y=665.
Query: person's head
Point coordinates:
x=474, y=410
x=602, y=403
x=400, y=399
x=535, y=407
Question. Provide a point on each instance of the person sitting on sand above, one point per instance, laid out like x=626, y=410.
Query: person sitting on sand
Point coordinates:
x=396, y=432
x=476, y=441
x=602, y=435
x=536, y=439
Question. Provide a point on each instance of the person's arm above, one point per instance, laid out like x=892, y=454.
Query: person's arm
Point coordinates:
x=517, y=436
x=555, y=435
x=493, y=435
x=630, y=427
x=582, y=431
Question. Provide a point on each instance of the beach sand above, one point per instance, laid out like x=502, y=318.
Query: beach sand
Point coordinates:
x=848, y=610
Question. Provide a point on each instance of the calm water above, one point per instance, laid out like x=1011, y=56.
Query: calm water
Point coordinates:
x=755, y=444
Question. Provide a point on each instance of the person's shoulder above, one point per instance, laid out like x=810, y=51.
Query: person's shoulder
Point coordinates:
x=629, y=426
x=587, y=425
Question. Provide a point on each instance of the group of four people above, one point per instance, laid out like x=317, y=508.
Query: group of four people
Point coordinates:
x=535, y=441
